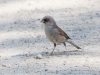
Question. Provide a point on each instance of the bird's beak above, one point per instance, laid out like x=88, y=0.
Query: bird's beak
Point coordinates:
x=42, y=21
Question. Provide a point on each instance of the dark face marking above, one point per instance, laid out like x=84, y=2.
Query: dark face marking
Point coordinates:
x=46, y=20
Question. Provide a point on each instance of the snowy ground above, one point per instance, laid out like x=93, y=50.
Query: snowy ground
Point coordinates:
x=22, y=37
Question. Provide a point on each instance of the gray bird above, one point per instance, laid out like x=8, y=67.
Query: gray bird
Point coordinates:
x=55, y=34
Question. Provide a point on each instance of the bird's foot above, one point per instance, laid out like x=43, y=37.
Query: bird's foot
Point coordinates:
x=66, y=53
x=51, y=54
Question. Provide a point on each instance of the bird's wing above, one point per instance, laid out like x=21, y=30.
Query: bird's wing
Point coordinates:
x=62, y=32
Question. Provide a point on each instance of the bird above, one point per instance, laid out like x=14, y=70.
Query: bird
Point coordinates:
x=55, y=34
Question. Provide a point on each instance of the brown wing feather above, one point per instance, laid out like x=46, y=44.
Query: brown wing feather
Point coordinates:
x=62, y=32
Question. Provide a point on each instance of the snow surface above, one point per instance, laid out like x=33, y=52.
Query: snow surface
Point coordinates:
x=22, y=37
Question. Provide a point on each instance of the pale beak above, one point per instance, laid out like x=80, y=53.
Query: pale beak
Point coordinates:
x=42, y=21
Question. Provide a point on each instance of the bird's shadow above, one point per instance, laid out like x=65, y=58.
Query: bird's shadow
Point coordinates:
x=47, y=54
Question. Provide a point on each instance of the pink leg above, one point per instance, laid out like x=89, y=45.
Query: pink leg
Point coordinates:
x=53, y=49
x=65, y=48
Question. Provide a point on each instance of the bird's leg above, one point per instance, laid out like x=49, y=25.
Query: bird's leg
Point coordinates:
x=53, y=49
x=65, y=48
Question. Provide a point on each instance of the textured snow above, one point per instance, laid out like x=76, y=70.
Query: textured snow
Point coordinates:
x=22, y=37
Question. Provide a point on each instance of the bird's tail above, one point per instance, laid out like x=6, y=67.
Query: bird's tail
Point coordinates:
x=69, y=41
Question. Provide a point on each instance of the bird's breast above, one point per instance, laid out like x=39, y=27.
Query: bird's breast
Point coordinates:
x=53, y=36
x=48, y=32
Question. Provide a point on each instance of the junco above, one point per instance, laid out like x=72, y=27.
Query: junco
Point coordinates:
x=55, y=34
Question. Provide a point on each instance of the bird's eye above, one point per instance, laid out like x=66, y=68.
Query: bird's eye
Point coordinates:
x=46, y=20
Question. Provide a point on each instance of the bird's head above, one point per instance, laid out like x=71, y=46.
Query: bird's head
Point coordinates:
x=48, y=21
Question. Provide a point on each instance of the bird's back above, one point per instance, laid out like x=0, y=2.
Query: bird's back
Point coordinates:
x=54, y=35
